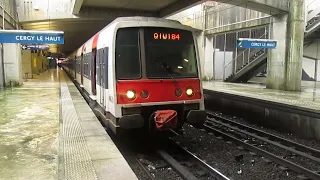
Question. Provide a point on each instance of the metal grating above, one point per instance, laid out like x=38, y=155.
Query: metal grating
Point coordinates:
x=75, y=161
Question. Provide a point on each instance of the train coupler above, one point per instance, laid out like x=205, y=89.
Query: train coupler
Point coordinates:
x=165, y=119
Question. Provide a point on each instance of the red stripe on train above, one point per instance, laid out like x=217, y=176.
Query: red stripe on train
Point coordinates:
x=95, y=41
x=159, y=90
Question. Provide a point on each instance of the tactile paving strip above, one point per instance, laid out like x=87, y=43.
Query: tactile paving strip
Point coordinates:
x=75, y=158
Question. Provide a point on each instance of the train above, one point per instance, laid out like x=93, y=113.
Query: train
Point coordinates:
x=141, y=73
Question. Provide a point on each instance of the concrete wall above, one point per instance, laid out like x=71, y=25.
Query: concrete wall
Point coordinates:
x=193, y=17
x=284, y=118
x=26, y=64
x=312, y=54
x=225, y=17
x=2, y=83
x=312, y=50
x=39, y=63
x=33, y=10
x=214, y=17
x=12, y=64
x=10, y=22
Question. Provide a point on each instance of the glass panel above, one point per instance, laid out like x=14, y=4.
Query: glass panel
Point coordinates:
x=170, y=52
x=128, y=54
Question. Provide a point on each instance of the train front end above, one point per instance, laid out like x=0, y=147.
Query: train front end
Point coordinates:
x=158, y=78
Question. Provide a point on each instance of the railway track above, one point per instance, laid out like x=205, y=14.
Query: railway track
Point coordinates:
x=238, y=132
x=188, y=165
x=154, y=158
x=184, y=163
x=144, y=169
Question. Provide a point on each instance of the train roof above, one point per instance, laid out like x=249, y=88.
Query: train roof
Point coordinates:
x=138, y=19
x=143, y=18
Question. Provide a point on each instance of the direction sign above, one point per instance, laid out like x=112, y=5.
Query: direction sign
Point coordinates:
x=31, y=37
x=35, y=47
x=256, y=43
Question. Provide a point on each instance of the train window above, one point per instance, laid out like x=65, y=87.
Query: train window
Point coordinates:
x=170, y=52
x=128, y=54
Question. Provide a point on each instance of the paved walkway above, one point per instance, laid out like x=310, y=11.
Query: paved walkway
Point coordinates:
x=308, y=98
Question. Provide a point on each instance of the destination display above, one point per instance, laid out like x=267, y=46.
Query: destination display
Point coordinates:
x=166, y=36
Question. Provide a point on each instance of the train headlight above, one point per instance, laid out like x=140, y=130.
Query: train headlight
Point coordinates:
x=131, y=94
x=189, y=92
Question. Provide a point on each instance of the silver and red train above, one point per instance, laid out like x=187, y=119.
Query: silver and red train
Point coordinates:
x=141, y=72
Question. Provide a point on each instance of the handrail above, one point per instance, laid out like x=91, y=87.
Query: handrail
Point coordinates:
x=8, y=14
x=248, y=20
x=254, y=61
x=5, y=12
x=234, y=59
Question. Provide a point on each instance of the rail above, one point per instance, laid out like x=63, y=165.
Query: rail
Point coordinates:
x=203, y=165
x=308, y=152
x=230, y=130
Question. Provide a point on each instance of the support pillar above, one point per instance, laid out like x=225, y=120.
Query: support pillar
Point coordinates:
x=208, y=70
x=12, y=64
x=285, y=62
x=276, y=57
x=295, y=39
x=201, y=51
x=2, y=82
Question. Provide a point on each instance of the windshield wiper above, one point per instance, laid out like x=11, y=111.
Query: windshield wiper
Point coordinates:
x=165, y=67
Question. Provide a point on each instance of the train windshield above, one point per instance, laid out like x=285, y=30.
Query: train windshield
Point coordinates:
x=169, y=53
x=128, y=54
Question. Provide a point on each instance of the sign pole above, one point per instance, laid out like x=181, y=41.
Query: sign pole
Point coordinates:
x=2, y=79
x=3, y=18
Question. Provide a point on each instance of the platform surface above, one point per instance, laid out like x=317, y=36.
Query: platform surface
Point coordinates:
x=48, y=131
x=86, y=151
x=309, y=98
x=29, y=124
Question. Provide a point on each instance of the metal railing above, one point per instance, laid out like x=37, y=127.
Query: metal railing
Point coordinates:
x=218, y=17
x=4, y=13
x=242, y=54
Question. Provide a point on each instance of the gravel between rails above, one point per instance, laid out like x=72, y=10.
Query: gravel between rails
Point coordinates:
x=159, y=168
x=307, y=142
x=222, y=156
x=285, y=154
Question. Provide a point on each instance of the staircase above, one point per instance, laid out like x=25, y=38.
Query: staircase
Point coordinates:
x=245, y=70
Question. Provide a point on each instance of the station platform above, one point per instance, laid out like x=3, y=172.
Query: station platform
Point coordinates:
x=86, y=150
x=48, y=131
x=294, y=112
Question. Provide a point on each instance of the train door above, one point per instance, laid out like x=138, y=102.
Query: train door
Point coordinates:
x=93, y=72
x=81, y=68
x=102, y=78
x=75, y=67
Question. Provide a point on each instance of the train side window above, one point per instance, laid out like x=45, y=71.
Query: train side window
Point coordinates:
x=128, y=54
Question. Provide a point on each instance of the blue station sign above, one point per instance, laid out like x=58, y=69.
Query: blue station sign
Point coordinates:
x=31, y=37
x=256, y=43
x=35, y=47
